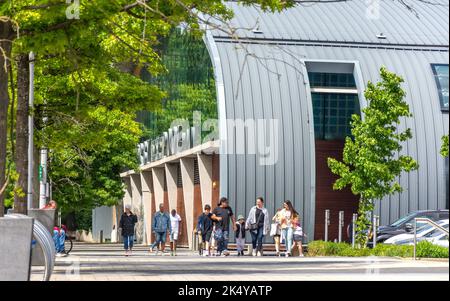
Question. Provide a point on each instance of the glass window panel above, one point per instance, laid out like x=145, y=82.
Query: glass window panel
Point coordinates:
x=333, y=111
x=441, y=74
x=342, y=80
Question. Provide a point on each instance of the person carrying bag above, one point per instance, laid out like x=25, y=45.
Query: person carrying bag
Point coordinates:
x=259, y=225
x=275, y=231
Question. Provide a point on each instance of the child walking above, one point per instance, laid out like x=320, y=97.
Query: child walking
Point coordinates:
x=204, y=230
x=275, y=231
x=240, y=235
x=298, y=236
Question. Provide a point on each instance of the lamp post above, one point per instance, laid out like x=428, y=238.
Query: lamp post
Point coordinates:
x=30, y=134
x=341, y=225
x=327, y=223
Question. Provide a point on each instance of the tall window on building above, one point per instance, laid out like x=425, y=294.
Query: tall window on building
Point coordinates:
x=335, y=100
x=441, y=75
x=188, y=82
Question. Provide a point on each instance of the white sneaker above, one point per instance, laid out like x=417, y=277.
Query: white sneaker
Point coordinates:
x=259, y=254
x=157, y=253
x=254, y=253
x=301, y=255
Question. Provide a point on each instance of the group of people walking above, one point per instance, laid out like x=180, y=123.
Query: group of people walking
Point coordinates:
x=162, y=224
x=213, y=229
x=284, y=227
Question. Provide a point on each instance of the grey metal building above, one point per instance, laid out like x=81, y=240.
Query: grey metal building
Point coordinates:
x=306, y=69
x=264, y=74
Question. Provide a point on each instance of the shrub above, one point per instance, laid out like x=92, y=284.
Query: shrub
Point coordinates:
x=428, y=250
x=326, y=248
x=424, y=249
x=393, y=250
x=317, y=248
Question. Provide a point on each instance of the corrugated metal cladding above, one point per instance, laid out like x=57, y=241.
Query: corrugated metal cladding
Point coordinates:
x=264, y=78
x=348, y=22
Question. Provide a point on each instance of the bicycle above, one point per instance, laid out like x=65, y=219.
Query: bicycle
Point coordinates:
x=68, y=245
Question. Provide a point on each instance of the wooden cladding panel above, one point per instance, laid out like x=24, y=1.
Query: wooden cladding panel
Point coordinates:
x=326, y=197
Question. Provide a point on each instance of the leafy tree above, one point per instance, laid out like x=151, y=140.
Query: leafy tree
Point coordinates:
x=444, y=147
x=371, y=159
x=81, y=58
x=85, y=166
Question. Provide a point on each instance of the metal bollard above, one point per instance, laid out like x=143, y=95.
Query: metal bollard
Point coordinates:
x=327, y=223
x=101, y=236
x=375, y=224
x=415, y=238
x=355, y=218
x=195, y=241
x=341, y=225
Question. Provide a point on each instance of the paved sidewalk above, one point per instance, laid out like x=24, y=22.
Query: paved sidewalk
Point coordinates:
x=93, y=262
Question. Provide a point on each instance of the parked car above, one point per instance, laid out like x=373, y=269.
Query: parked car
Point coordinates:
x=435, y=237
x=438, y=237
x=443, y=241
x=406, y=224
x=425, y=231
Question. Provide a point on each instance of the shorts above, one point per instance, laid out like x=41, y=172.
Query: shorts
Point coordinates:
x=298, y=238
x=173, y=236
x=206, y=237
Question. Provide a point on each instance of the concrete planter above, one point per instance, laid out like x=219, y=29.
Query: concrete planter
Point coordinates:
x=15, y=248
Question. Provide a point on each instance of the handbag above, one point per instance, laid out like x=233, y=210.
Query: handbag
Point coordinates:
x=275, y=229
x=253, y=227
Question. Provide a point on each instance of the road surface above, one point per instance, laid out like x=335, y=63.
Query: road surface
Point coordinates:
x=107, y=262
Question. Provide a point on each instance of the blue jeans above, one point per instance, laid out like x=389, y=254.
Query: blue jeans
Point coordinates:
x=222, y=242
x=288, y=234
x=160, y=238
x=257, y=238
x=59, y=237
x=128, y=242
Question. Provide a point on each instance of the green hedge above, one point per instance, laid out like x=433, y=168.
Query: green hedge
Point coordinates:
x=425, y=249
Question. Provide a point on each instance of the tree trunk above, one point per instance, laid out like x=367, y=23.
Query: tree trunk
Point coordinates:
x=6, y=33
x=21, y=156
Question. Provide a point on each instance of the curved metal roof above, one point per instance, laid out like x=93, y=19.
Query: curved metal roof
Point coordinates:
x=351, y=21
x=264, y=76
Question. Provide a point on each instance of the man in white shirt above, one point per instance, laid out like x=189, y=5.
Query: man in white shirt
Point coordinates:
x=175, y=220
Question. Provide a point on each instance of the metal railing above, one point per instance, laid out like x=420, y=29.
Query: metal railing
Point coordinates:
x=430, y=222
